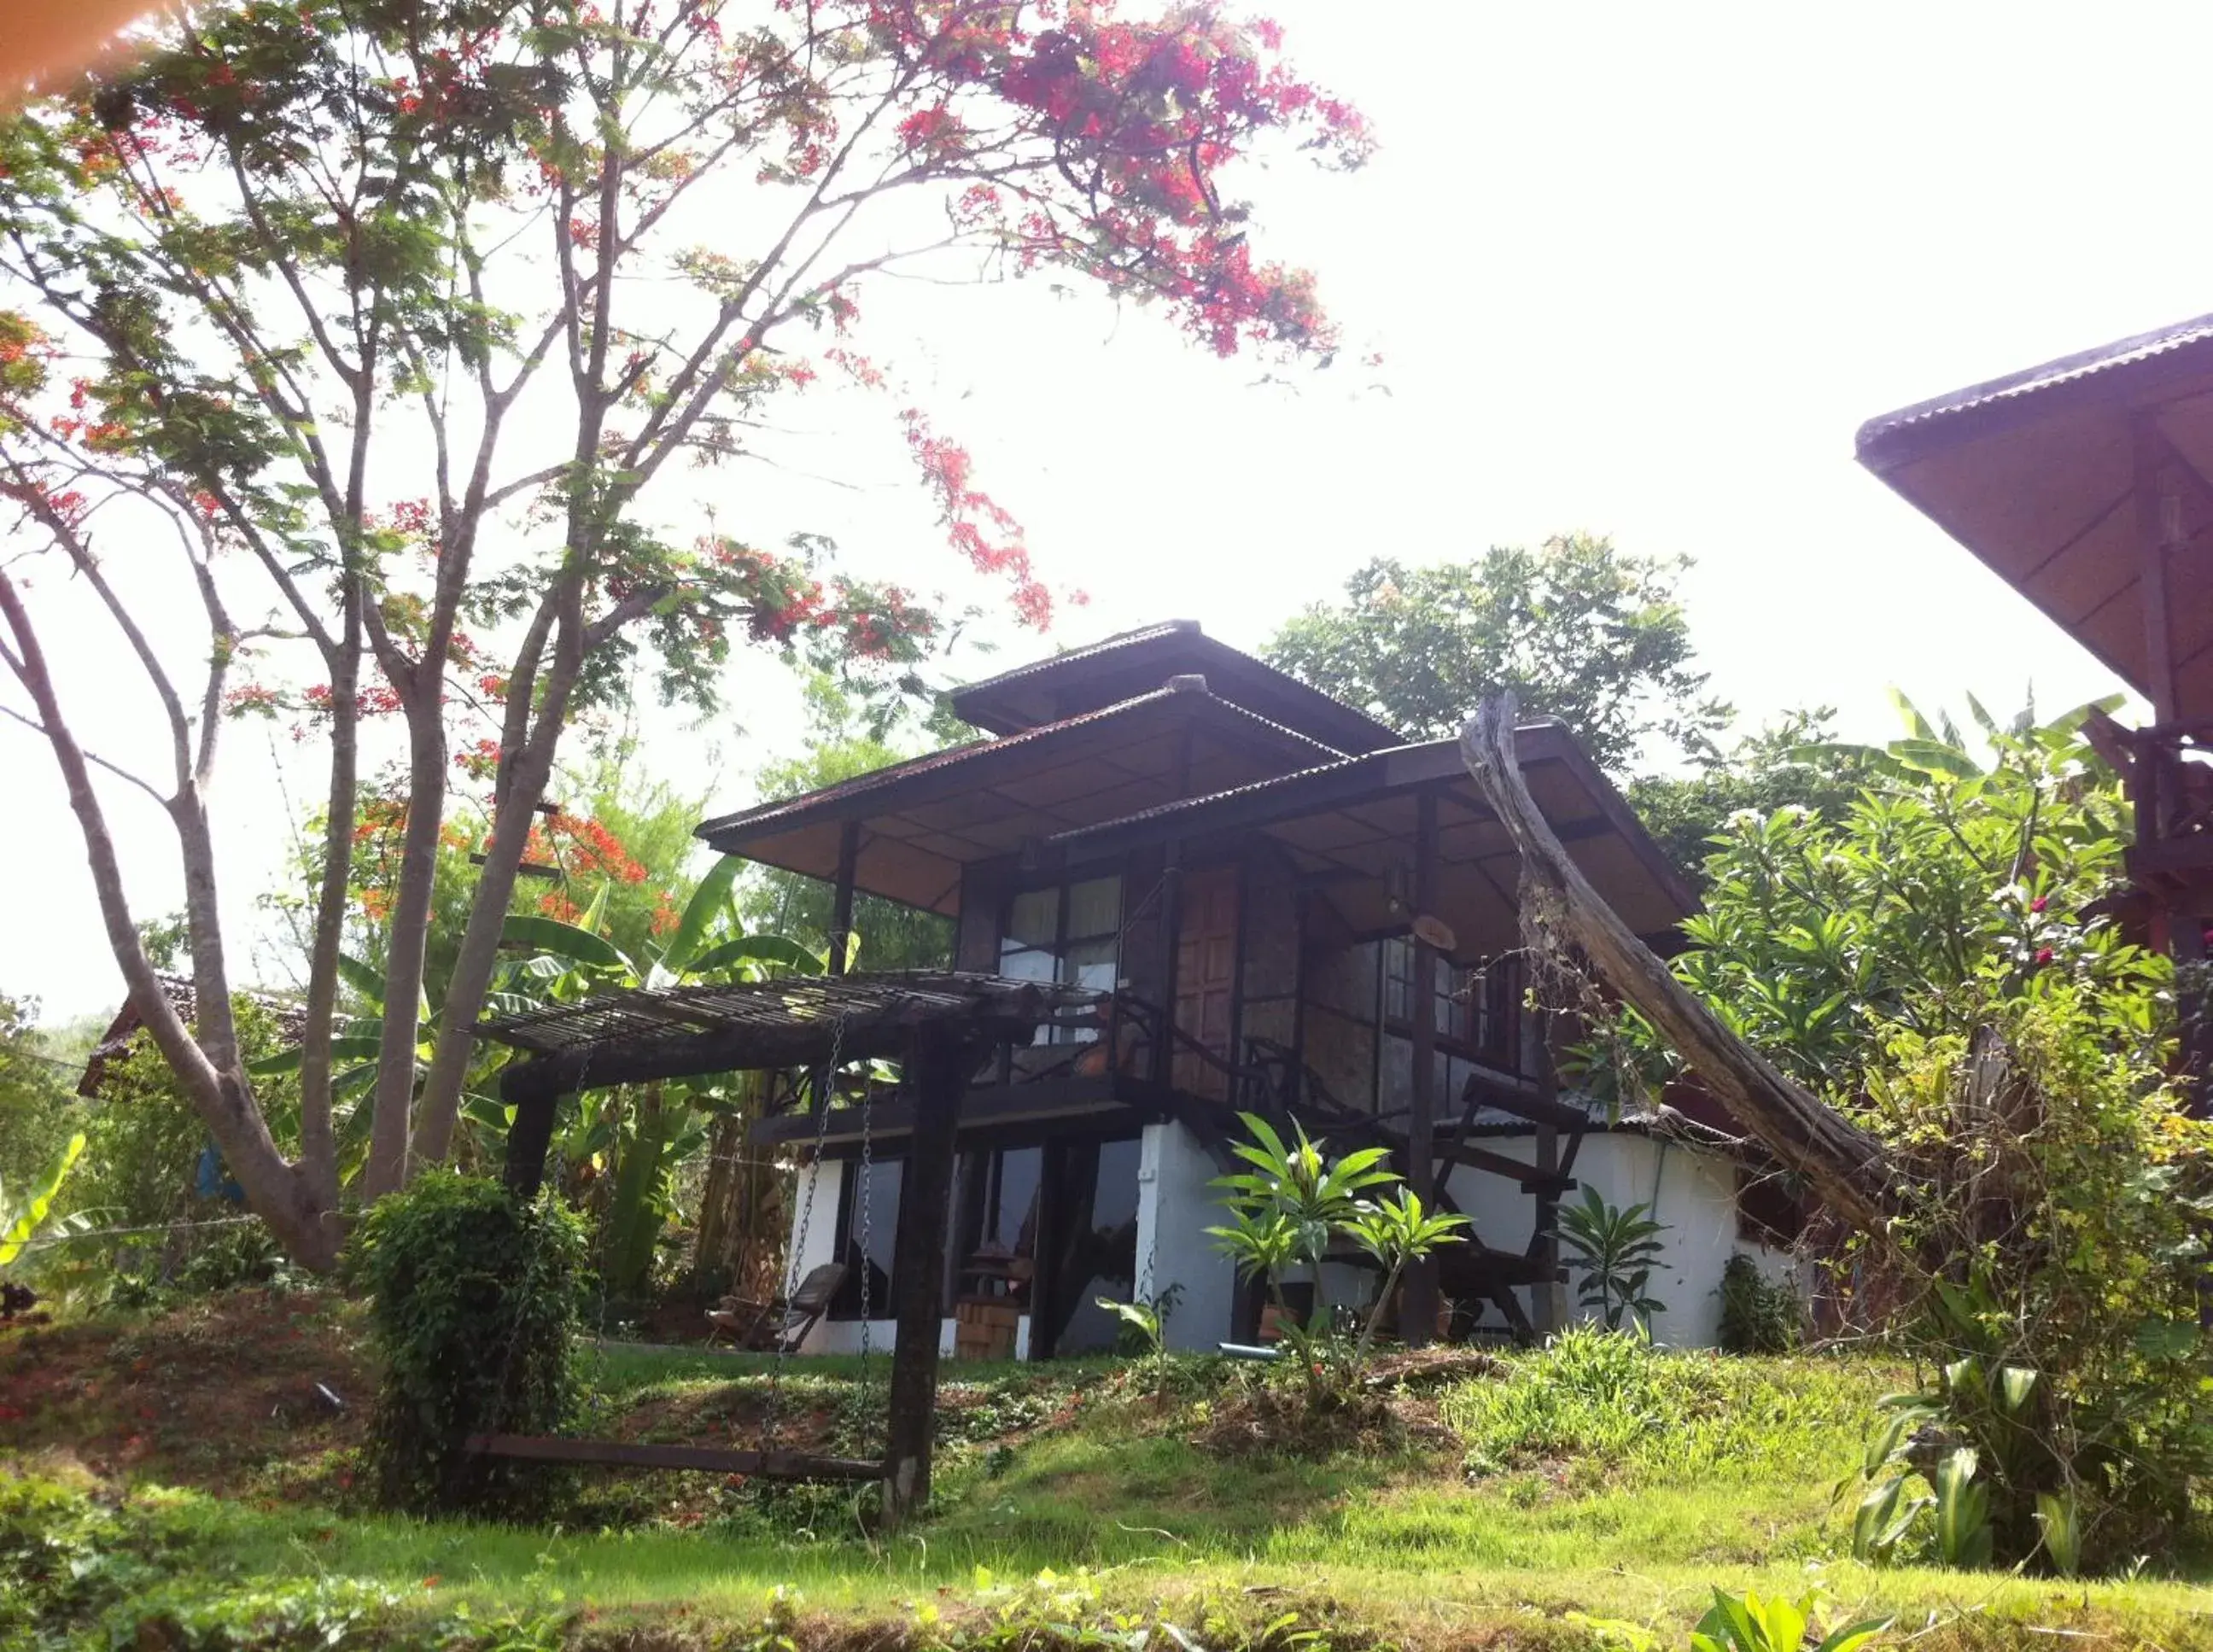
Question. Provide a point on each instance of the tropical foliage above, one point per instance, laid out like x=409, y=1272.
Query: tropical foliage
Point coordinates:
x=1614, y=1249
x=1940, y=961
x=1576, y=629
x=474, y=1299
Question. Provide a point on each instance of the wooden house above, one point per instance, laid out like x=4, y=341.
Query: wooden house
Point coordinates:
x=1289, y=910
x=2087, y=485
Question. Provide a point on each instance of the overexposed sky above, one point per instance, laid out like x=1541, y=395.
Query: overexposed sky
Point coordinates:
x=1634, y=270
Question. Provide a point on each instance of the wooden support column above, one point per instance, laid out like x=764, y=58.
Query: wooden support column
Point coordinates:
x=2159, y=529
x=841, y=898
x=1163, y=1051
x=529, y=1139
x=1548, y=1298
x=937, y=1066
x=1418, y=1302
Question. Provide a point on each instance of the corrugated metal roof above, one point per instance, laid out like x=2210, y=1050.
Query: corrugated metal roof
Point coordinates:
x=1089, y=651
x=862, y=785
x=2029, y=381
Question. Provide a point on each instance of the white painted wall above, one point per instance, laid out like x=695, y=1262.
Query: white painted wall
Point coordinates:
x=1693, y=1191
x=843, y=1336
x=1176, y=1207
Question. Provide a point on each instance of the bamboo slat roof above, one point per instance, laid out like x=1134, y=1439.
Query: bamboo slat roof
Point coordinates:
x=644, y=1033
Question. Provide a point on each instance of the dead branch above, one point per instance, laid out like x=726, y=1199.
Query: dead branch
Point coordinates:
x=1846, y=1168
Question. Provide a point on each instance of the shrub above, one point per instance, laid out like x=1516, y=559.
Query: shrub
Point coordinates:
x=1758, y=1315
x=475, y=1298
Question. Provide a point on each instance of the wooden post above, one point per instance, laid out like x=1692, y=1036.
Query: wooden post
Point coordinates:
x=841, y=897
x=2158, y=527
x=938, y=1062
x=1418, y=1302
x=1171, y=919
x=1548, y=1298
x=529, y=1139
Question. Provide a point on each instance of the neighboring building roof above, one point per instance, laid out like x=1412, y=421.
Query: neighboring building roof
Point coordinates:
x=2036, y=473
x=291, y=1021
x=1115, y=667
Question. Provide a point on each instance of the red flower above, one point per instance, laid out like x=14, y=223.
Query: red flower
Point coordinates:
x=2043, y=955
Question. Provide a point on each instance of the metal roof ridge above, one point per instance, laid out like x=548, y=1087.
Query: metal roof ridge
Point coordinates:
x=2029, y=380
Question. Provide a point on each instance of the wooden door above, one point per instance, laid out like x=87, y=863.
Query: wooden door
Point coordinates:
x=1206, y=978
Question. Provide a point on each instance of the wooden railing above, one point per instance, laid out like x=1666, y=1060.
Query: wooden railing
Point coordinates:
x=2170, y=783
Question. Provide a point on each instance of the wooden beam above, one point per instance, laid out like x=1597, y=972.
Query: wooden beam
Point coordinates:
x=621, y=1453
x=993, y=1010
x=937, y=1067
x=841, y=896
x=1845, y=1167
x=1417, y=1298
x=2156, y=532
x=1548, y=1301
x=529, y=1139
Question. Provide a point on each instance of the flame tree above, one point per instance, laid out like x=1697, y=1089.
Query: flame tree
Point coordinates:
x=391, y=329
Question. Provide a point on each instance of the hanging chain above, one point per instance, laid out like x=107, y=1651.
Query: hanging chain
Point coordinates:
x=823, y=1082
x=868, y=1213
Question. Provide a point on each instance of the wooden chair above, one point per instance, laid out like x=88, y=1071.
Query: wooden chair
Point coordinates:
x=779, y=1327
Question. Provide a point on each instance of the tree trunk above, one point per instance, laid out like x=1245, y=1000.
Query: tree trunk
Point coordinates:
x=1844, y=1166
x=389, y=1154
x=219, y=1094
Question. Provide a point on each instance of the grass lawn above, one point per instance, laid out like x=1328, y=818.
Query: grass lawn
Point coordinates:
x=1513, y=1504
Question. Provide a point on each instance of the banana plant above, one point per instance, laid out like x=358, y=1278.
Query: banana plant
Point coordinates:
x=21, y=1218
x=649, y=1133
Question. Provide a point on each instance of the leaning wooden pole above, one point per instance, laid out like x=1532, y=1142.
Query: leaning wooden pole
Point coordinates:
x=1844, y=1166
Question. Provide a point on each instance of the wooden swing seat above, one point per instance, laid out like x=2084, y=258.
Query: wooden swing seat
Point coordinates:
x=620, y=1454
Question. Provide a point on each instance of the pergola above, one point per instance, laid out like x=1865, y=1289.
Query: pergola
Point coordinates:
x=937, y=1023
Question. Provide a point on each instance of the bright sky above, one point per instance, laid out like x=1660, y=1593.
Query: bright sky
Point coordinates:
x=1638, y=270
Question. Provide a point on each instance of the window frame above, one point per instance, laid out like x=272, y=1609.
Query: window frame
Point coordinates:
x=1501, y=1007
x=1063, y=941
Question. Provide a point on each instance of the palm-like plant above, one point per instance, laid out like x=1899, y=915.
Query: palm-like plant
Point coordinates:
x=1615, y=1250
x=565, y=961
x=1283, y=1213
x=22, y=1217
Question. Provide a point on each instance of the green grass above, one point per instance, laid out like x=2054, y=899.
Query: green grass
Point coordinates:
x=1592, y=1478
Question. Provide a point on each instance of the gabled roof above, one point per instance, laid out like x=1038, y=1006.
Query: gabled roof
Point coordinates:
x=927, y=818
x=1115, y=667
x=1349, y=825
x=2036, y=473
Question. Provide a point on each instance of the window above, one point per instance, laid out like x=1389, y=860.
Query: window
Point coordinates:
x=868, y=1236
x=1071, y=934
x=1477, y=1013
x=994, y=1239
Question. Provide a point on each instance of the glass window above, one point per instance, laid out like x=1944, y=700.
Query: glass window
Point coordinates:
x=1070, y=934
x=868, y=1237
x=1107, y=1255
x=1398, y=980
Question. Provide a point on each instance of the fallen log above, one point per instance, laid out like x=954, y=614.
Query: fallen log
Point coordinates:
x=1844, y=1166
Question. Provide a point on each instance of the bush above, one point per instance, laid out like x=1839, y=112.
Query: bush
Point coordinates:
x=475, y=1302
x=1758, y=1316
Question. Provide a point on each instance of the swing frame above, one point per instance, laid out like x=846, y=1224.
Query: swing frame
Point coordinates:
x=937, y=1023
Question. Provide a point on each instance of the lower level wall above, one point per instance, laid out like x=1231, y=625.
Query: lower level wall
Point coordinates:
x=1694, y=1193
x=1176, y=1205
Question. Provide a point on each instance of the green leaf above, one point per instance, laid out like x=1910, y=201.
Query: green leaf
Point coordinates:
x=549, y=934
x=363, y=979
x=18, y=1223
x=712, y=895
x=760, y=949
